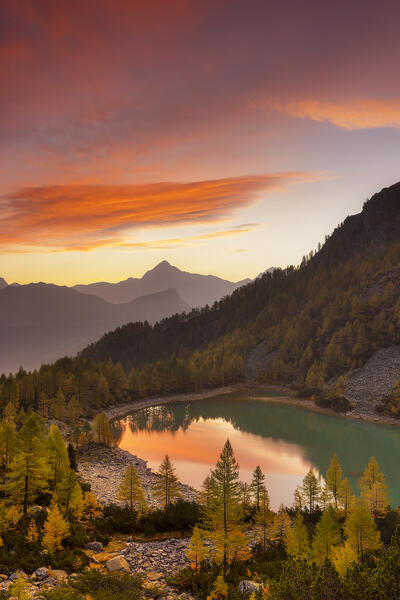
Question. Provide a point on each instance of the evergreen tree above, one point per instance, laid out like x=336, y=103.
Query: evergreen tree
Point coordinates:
x=167, y=487
x=131, y=490
x=386, y=577
x=327, y=584
x=73, y=463
x=257, y=485
x=334, y=476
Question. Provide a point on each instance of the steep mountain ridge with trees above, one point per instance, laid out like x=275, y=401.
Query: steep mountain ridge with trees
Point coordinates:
x=315, y=322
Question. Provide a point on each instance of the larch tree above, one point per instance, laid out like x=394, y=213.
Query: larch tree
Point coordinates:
x=74, y=410
x=245, y=500
x=196, y=550
x=325, y=497
x=29, y=473
x=297, y=542
x=58, y=406
x=257, y=485
x=345, y=496
x=334, y=476
x=298, y=502
x=167, y=486
x=58, y=455
x=326, y=536
x=220, y=590
x=361, y=532
x=224, y=512
x=205, y=492
x=8, y=442
x=102, y=430
x=373, y=487
x=280, y=525
x=55, y=529
x=311, y=490
x=263, y=518
x=32, y=533
x=131, y=490
x=92, y=510
x=343, y=557
x=69, y=493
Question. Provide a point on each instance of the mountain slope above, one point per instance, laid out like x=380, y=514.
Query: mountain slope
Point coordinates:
x=40, y=322
x=3, y=283
x=314, y=322
x=196, y=290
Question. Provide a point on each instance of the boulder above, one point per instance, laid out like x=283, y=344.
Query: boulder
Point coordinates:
x=42, y=573
x=248, y=587
x=118, y=563
x=95, y=546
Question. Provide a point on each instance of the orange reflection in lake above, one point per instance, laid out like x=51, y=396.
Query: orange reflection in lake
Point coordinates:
x=196, y=449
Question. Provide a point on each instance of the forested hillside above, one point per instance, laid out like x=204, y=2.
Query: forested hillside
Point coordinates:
x=321, y=319
x=315, y=321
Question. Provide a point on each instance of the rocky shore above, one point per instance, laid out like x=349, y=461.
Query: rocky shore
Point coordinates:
x=103, y=468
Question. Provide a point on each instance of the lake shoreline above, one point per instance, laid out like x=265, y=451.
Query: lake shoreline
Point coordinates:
x=359, y=413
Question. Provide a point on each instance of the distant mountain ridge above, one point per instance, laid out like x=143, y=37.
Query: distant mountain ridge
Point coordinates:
x=40, y=322
x=196, y=290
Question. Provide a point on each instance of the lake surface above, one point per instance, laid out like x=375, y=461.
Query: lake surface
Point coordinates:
x=284, y=440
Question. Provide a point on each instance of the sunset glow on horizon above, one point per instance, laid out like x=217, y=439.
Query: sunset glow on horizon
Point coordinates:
x=135, y=132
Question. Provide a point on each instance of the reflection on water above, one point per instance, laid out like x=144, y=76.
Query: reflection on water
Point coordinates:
x=284, y=440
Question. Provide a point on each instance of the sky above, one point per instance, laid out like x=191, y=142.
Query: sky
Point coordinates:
x=223, y=136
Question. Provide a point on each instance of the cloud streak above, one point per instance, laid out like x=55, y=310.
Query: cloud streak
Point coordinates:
x=350, y=115
x=82, y=217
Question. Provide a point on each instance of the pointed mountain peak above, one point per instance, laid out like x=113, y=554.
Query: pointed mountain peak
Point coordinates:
x=164, y=264
x=163, y=267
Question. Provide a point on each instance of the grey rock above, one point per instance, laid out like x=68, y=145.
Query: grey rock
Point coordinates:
x=118, y=563
x=42, y=573
x=248, y=587
x=95, y=546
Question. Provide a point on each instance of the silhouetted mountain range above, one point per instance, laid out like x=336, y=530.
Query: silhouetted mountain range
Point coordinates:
x=40, y=322
x=196, y=290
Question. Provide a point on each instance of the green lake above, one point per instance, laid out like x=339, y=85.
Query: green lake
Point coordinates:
x=284, y=440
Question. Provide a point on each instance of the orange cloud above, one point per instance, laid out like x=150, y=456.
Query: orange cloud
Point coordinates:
x=83, y=216
x=350, y=115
